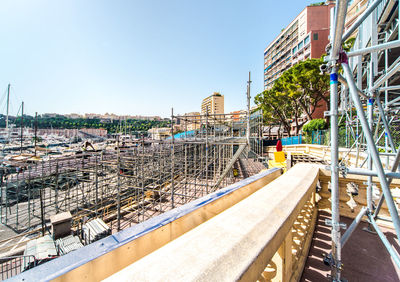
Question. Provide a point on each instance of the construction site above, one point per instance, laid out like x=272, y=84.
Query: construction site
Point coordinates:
x=130, y=184
x=336, y=220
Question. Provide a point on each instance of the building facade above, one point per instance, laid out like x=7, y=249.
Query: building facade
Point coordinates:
x=305, y=37
x=190, y=121
x=213, y=104
x=354, y=10
x=159, y=133
x=237, y=115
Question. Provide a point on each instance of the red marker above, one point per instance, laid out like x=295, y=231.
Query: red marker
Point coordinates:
x=279, y=146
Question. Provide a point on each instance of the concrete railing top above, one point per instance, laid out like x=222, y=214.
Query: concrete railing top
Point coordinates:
x=235, y=244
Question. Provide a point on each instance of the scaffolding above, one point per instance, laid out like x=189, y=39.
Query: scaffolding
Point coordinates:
x=364, y=95
x=128, y=185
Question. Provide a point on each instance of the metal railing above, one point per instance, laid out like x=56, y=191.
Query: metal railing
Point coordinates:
x=11, y=266
x=293, y=140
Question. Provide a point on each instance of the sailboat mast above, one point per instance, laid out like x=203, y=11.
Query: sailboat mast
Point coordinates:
x=22, y=125
x=125, y=126
x=35, y=131
x=8, y=105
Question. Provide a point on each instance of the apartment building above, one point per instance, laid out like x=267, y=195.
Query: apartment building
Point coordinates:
x=237, y=115
x=305, y=37
x=213, y=104
x=354, y=10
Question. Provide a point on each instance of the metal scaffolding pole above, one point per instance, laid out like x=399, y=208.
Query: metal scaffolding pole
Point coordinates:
x=248, y=111
x=172, y=159
x=336, y=43
x=372, y=149
x=369, y=52
x=126, y=185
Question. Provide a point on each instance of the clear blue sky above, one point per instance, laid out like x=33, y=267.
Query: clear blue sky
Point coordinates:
x=135, y=57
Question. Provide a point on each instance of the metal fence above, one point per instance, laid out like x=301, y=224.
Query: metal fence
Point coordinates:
x=11, y=266
x=293, y=140
x=351, y=136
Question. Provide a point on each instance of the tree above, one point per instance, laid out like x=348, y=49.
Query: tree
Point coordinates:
x=305, y=82
x=298, y=91
x=273, y=110
x=315, y=124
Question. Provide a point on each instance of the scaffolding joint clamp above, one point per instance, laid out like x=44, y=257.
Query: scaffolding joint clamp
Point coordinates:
x=329, y=168
x=330, y=261
x=332, y=113
x=328, y=222
x=343, y=170
x=336, y=280
x=329, y=113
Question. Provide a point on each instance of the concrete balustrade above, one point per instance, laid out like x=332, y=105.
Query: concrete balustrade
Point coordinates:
x=288, y=263
x=351, y=160
x=324, y=152
x=360, y=199
x=350, y=157
x=266, y=236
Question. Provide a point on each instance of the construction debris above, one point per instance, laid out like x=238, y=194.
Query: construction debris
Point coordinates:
x=68, y=244
x=95, y=230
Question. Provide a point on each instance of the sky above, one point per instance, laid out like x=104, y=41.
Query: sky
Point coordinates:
x=132, y=57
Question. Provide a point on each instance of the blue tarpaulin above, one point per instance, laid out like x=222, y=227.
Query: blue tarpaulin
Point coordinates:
x=185, y=134
x=294, y=140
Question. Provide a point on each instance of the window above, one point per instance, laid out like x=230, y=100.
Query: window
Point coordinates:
x=307, y=40
x=300, y=45
x=315, y=36
x=295, y=49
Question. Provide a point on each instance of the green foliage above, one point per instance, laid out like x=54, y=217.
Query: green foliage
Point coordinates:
x=62, y=122
x=274, y=113
x=348, y=44
x=317, y=4
x=315, y=124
